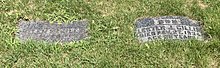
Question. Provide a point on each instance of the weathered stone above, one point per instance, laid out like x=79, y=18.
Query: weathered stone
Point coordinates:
x=168, y=27
x=45, y=31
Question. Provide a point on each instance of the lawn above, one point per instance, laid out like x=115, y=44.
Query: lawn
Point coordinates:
x=112, y=43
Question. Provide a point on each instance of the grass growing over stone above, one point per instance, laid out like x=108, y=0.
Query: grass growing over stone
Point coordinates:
x=112, y=42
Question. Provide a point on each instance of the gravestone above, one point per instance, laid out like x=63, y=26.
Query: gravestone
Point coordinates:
x=168, y=27
x=52, y=32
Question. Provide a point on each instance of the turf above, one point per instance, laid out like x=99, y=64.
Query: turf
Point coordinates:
x=112, y=43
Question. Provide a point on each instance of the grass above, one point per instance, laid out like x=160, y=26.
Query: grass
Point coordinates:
x=112, y=43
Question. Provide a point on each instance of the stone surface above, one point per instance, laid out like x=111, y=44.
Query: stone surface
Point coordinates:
x=168, y=27
x=45, y=31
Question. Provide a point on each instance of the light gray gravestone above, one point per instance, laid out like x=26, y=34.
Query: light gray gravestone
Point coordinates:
x=168, y=27
x=52, y=32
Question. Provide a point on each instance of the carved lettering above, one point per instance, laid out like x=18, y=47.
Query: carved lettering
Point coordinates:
x=170, y=29
x=42, y=30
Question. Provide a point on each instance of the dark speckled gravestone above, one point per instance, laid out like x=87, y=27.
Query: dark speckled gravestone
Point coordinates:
x=168, y=27
x=45, y=31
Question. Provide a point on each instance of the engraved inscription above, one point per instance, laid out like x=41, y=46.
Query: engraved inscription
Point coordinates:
x=168, y=27
x=41, y=30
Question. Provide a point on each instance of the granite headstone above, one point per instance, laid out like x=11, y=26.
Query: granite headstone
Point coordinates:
x=168, y=27
x=52, y=32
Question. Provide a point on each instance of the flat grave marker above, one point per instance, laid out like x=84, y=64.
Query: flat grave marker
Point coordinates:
x=52, y=32
x=168, y=27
